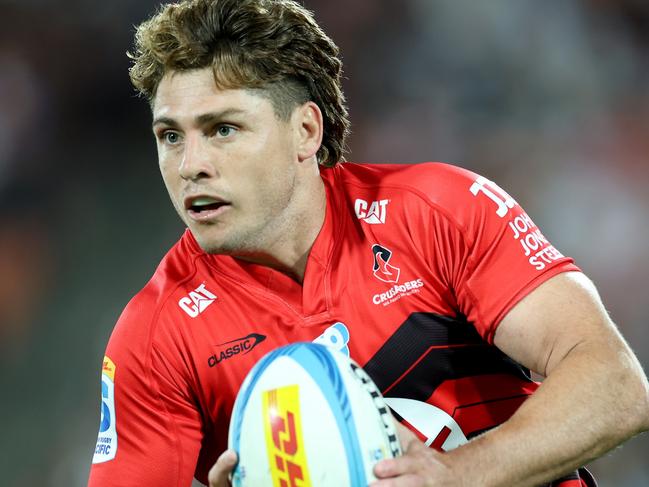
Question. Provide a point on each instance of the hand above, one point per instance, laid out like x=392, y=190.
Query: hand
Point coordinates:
x=219, y=473
x=419, y=466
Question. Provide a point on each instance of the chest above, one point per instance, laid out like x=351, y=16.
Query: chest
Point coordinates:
x=368, y=295
x=382, y=299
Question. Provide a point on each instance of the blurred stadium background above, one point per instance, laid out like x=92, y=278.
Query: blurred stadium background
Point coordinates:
x=550, y=99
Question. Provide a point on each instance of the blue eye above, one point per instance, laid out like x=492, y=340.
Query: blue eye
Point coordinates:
x=224, y=130
x=171, y=137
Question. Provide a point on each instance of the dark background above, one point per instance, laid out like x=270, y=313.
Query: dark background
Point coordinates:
x=550, y=99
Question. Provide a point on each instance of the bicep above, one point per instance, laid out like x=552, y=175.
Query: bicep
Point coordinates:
x=561, y=314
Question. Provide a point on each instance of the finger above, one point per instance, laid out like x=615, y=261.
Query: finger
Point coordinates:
x=406, y=436
x=218, y=474
x=409, y=480
x=393, y=467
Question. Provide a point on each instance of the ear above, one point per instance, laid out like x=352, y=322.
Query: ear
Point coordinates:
x=309, y=128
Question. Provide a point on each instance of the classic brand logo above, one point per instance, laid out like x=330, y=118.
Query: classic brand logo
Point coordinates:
x=196, y=301
x=284, y=440
x=373, y=213
x=240, y=346
x=382, y=268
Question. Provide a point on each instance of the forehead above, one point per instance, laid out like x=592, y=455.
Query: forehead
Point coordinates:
x=189, y=93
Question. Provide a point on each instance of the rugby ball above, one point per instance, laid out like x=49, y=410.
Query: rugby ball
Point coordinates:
x=307, y=414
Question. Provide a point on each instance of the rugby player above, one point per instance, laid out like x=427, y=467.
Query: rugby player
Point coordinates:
x=432, y=277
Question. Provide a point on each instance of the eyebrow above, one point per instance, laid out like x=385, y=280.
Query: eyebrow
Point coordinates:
x=202, y=119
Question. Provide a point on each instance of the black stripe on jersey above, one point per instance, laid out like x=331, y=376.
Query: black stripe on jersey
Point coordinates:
x=428, y=349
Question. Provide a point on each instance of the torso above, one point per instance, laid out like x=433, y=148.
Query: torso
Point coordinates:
x=380, y=286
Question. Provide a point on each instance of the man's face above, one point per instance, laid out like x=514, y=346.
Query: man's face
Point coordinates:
x=228, y=162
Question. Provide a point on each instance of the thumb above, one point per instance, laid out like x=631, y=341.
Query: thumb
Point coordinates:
x=218, y=474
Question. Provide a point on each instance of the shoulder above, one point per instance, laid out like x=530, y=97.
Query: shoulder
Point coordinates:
x=138, y=323
x=448, y=190
x=436, y=180
x=146, y=392
x=364, y=173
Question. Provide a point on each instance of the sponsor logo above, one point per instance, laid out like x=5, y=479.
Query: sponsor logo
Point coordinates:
x=383, y=270
x=386, y=417
x=336, y=337
x=284, y=440
x=196, y=301
x=106, y=447
x=240, y=346
x=535, y=246
x=495, y=193
x=373, y=213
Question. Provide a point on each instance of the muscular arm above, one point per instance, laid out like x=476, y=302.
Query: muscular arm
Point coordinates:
x=595, y=397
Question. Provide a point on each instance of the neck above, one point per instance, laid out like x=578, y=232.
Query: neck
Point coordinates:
x=293, y=240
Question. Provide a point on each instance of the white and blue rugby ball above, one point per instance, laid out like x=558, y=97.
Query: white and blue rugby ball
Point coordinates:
x=308, y=415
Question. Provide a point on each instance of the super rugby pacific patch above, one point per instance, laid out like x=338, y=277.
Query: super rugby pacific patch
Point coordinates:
x=106, y=448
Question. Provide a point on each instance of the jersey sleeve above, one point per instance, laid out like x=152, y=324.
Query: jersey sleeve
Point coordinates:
x=150, y=428
x=493, y=252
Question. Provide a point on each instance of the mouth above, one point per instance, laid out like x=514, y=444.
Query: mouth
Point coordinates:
x=204, y=208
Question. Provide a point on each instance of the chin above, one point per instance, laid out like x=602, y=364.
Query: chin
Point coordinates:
x=209, y=246
x=212, y=245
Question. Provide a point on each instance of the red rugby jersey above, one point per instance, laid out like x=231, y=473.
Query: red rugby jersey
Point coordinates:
x=413, y=269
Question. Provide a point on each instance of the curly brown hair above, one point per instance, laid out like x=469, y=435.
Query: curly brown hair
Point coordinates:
x=271, y=45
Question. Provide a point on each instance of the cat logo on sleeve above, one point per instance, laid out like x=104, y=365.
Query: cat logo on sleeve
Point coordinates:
x=107, y=439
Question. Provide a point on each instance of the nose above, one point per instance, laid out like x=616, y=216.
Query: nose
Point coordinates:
x=196, y=162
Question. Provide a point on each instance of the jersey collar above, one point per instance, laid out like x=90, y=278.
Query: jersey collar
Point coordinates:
x=310, y=299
